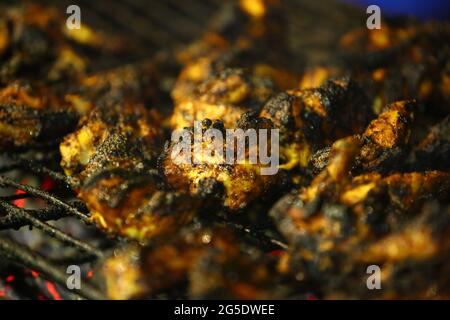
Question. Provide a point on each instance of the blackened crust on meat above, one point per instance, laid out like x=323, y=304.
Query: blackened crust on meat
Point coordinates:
x=22, y=126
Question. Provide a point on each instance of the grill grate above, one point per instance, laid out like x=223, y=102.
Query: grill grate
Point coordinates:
x=51, y=271
x=17, y=217
x=155, y=26
x=162, y=24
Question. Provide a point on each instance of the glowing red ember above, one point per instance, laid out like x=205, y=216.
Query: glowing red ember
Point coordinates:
x=20, y=202
x=52, y=290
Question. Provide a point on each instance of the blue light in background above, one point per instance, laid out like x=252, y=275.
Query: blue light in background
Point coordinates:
x=422, y=9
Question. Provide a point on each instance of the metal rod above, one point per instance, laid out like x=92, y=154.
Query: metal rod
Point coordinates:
x=39, y=168
x=160, y=12
x=29, y=259
x=50, y=230
x=4, y=181
x=38, y=146
x=193, y=9
x=15, y=222
x=51, y=213
x=125, y=21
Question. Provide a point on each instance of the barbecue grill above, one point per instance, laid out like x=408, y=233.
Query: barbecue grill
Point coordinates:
x=156, y=26
x=44, y=228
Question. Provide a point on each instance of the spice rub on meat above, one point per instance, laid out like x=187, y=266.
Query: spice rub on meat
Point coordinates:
x=225, y=96
x=31, y=116
x=110, y=160
x=309, y=119
x=237, y=182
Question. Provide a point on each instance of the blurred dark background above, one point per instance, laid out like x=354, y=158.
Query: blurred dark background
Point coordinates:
x=314, y=25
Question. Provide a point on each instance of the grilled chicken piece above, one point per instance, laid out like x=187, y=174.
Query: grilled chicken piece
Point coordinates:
x=110, y=156
x=34, y=48
x=225, y=96
x=109, y=160
x=36, y=44
x=412, y=257
x=211, y=260
x=33, y=113
x=237, y=183
x=237, y=27
x=309, y=119
x=334, y=225
x=112, y=101
x=341, y=157
x=42, y=60
x=110, y=165
x=133, y=83
x=133, y=123
x=397, y=62
x=386, y=139
x=211, y=83
x=383, y=145
x=31, y=116
x=127, y=203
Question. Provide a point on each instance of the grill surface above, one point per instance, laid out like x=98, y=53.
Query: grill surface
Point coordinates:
x=154, y=26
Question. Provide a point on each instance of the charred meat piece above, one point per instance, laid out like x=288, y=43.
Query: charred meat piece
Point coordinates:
x=109, y=160
x=335, y=174
x=31, y=116
x=225, y=96
x=21, y=126
x=127, y=203
x=107, y=134
x=383, y=145
x=201, y=70
x=133, y=83
x=33, y=47
x=239, y=26
x=36, y=44
x=202, y=166
x=111, y=172
x=310, y=119
x=397, y=62
x=386, y=139
x=412, y=259
x=243, y=39
x=41, y=61
x=242, y=272
x=333, y=223
x=235, y=274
